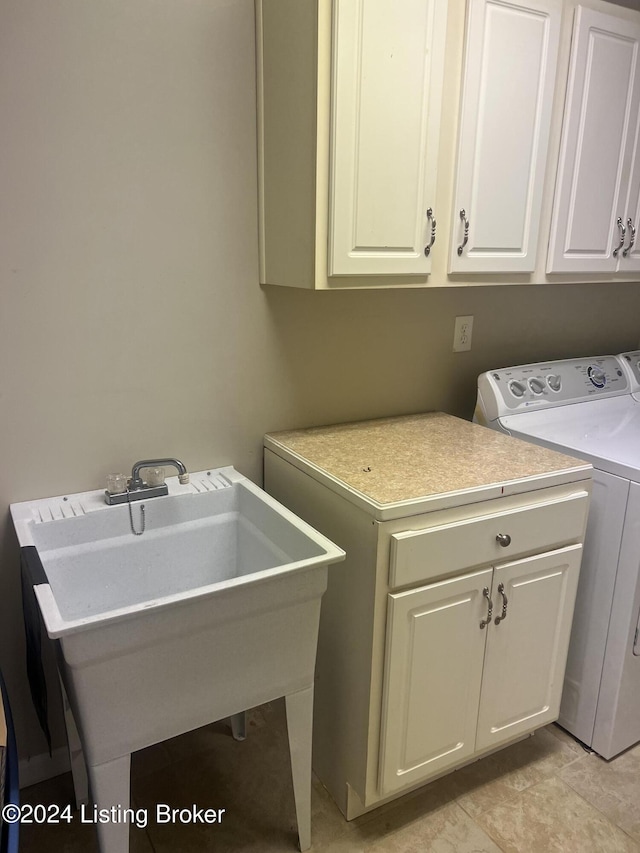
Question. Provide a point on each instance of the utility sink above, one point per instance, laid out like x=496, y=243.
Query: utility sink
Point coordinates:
x=195, y=544
x=213, y=609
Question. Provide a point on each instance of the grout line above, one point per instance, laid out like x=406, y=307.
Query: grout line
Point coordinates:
x=607, y=817
x=482, y=829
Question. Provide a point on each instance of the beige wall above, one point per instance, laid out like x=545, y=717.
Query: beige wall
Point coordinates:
x=131, y=321
x=632, y=4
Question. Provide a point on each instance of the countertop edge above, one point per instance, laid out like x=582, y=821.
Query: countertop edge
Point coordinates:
x=429, y=503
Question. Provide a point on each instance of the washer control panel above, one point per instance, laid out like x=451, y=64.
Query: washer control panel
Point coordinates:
x=554, y=383
x=631, y=361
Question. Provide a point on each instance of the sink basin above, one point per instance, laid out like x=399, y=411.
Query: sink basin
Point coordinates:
x=212, y=610
x=195, y=544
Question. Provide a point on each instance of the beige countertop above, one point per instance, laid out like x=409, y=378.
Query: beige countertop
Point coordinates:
x=404, y=459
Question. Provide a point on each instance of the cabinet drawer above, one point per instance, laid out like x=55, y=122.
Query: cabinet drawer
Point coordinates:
x=423, y=555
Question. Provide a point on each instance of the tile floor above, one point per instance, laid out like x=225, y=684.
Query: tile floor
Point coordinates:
x=543, y=794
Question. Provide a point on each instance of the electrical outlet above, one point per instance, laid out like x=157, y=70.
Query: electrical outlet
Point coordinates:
x=462, y=333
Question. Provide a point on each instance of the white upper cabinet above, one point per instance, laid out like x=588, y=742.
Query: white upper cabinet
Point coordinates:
x=629, y=257
x=511, y=52
x=596, y=201
x=350, y=97
x=414, y=143
x=386, y=93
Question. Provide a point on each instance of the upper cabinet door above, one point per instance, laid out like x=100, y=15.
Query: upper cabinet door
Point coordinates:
x=629, y=255
x=598, y=139
x=387, y=70
x=507, y=97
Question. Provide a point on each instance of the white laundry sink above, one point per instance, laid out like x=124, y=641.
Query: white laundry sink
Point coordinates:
x=213, y=609
x=194, y=545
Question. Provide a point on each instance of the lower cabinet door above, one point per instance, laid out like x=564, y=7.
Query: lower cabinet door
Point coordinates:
x=527, y=644
x=433, y=671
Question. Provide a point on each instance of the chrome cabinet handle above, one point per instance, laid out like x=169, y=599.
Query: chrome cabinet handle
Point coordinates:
x=503, y=539
x=632, y=237
x=427, y=249
x=622, y=231
x=463, y=217
x=487, y=621
x=505, y=601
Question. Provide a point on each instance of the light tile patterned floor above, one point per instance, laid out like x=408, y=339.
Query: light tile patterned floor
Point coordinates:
x=544, y=794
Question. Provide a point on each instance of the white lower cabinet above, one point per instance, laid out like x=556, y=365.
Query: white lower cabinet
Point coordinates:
x=443, y=635
x=527, y=651
x=473, y=662
x=433, y=678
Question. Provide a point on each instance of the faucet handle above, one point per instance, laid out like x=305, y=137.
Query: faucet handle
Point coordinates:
x=154, y=477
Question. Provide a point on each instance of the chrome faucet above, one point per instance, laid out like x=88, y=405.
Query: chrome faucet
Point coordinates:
x=136, y=480
x=137, y=489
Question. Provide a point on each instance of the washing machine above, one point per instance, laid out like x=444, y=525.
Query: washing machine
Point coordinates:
x=631, y=362
x=590, y=408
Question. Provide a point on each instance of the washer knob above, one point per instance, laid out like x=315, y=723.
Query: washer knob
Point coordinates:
x=597, y=376
x=554, y=381
x=536, y=384
x=517, y=388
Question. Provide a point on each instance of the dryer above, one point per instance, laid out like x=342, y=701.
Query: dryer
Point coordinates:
x=586, y=407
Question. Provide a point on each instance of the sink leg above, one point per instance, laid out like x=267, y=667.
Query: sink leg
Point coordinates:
x=110, y=786
x=299, y=708
x=239, y=725
x=76, y=755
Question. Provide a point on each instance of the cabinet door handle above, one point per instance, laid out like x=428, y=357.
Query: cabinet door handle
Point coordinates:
x=505, y=601
x=632, y=237
x=427, y=249
x=622, y=231
x=463, y=217
x=503, y=539
x=487, y=621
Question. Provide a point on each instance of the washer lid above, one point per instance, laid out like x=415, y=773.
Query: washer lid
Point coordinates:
x=606, y=432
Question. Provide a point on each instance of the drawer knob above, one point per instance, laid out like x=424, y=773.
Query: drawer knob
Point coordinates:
x=503, y=539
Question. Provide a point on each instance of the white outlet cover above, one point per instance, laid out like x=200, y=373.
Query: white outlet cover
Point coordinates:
x=462, y=332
